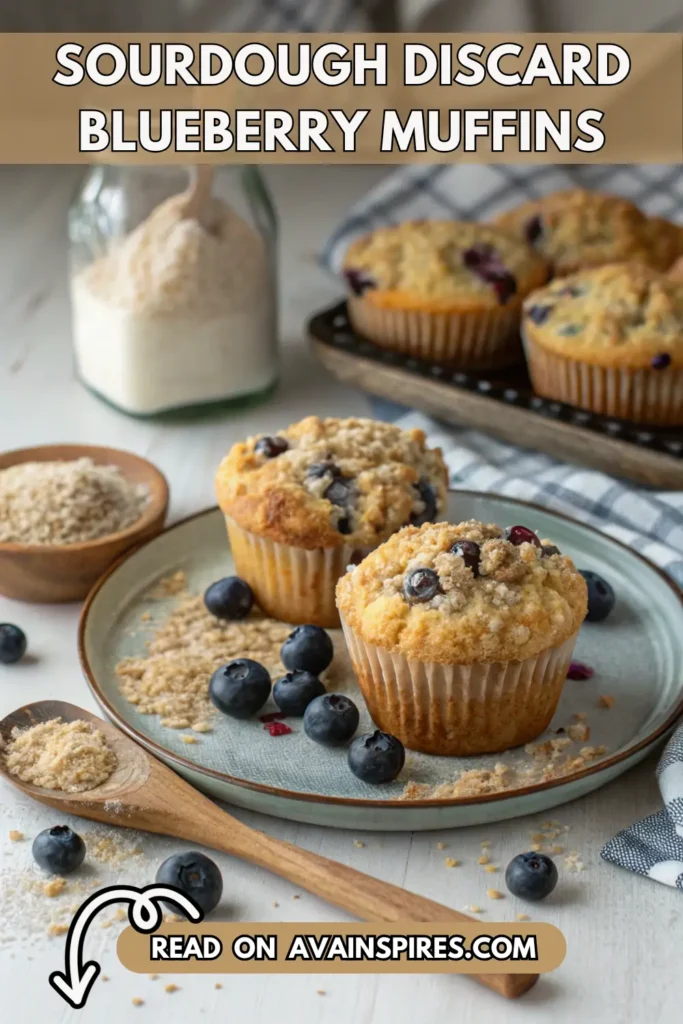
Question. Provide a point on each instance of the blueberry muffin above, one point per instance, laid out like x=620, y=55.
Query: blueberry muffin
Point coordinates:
x=576, y=229
x=303, y=504
x=461, y=635
x=610, y=340
x=442, y=290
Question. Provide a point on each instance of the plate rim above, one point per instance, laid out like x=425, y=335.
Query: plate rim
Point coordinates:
x=164, y=754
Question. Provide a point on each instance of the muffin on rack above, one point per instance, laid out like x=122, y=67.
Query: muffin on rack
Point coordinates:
x=611, y=341
x=461, y=635
x=577, y=229
x=442, y=291
x=303, y=504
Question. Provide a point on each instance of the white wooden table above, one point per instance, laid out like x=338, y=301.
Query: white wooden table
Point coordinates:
x=624, y=934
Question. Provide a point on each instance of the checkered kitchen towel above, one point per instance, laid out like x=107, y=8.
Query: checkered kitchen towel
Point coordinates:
x=647, y=520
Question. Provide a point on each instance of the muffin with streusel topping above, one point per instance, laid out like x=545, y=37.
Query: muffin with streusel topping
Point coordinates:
x=442, y=290
x=303, y=504
x=461, y=635
x=576, y=229
x=611, y=341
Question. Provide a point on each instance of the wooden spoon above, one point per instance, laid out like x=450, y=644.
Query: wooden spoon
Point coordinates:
x=198, y=196
x=144, y=794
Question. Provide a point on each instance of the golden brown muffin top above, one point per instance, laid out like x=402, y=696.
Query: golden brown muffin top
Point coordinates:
x=459, y=594
x=442, y=262
x=329, y=482
x=621, y=315
x=576, y=229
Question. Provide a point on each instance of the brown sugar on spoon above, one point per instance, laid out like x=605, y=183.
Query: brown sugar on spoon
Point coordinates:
x=70, y=756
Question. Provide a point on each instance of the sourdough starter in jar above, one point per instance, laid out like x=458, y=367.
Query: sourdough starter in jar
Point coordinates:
x=176, y=315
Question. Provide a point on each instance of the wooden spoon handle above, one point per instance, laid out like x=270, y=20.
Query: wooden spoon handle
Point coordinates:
x=359, y=894
x=198, y=204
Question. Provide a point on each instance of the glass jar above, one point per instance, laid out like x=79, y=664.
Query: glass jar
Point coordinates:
x=174, y=305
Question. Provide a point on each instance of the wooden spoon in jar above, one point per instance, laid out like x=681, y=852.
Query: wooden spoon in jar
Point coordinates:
x=198, y=196
x=144, y=794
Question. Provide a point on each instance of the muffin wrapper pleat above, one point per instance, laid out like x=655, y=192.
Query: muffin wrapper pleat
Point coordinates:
x=459, y=710
x=477, y=339
x=290, y=583
x=647, y=396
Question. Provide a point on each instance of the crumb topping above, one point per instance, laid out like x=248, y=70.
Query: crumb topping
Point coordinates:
x=70, y=756
x=328, y=482
x=577, y=228
x=516, y=602
x=622, y=314
x=442, y=261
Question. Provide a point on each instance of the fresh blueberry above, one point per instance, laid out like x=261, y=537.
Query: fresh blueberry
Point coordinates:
x=539, y=314
x=270, y=447
x=661, y=361
x=533, y=229
x=229, y=598
x=550, y=549
x=601, y=596
x=485, y=262
x=521, y=535
x=376, y=758
x=194, y=874
x=359, y=281
x=240, y=688
x=58, y=850
x=307, y=648
x=339, y=492
x=531, y=876
x=421, y=585
x=503, y=282
x=470, y=552
x=568, y=330
x=12, y=643
x=295, y=691
x=331, y=719
x=427, y=496
x=479, y=255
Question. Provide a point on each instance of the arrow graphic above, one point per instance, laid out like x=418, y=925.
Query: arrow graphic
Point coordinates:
x=144, y=914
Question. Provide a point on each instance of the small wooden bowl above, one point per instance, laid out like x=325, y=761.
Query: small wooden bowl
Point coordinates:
x=54, y=573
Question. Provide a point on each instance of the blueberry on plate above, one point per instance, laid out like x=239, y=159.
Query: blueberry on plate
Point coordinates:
x=58, y=850
x=601, y=596
x=194, y=874
x=331, y=719
x=308, y=648
x=295, y=691
x=531, y=876
x=240, y=688
x=229, y=598
x=376, y=758
x=12, y=643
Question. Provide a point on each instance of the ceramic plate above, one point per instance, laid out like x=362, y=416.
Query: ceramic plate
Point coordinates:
x=637, y=655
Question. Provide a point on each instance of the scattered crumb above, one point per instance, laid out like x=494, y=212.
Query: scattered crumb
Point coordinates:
x=275, y=903
x=573, y=862
x=171, y=918
x=57, y=929
x=170, y=586
x=104, y=977
x=579, y=732
x=557, y=849
x=522, y=917
x=441, y=846
x=153, y=977
x=218, y=985
x=188, y=739
x=320, y=992
x=359, y=843
x=535, y=847
x=484, y=859
x=485, y=844
x=581, y=716
x=72, y=757
x=495, y=894
x=105, y=924
x=296, y=896
x=145, y=617
x=170, y=988
x=136, y=1001
x=120, y=914
x=16, y=836
x=538, y=837
x=451, y=862
x=474, y=909
x=111, y=846
x=202, y=727
x=55, y=887
x=490, y=869
x=606, y=700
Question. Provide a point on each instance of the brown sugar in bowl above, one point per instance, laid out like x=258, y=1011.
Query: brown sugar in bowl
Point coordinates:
x=57, y=573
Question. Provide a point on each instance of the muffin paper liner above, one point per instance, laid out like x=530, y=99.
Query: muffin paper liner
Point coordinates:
x=459, y=709
x=648, y=396
x=289, y=583
x=481, y=339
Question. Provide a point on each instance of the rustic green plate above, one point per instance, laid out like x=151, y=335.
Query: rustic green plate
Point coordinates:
x=637, y=655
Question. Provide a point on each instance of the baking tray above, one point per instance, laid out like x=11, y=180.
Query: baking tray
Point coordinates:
x=501, y=403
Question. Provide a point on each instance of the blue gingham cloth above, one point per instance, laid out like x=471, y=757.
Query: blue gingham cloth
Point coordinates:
x=650, y=521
